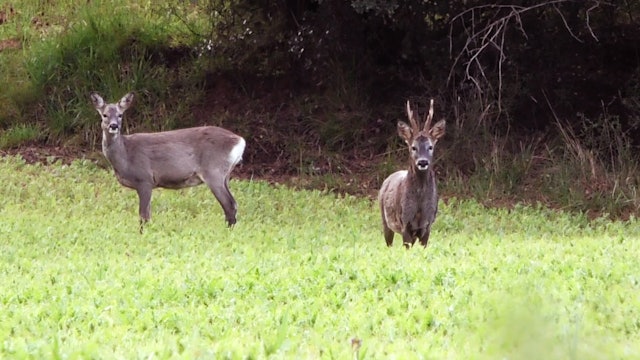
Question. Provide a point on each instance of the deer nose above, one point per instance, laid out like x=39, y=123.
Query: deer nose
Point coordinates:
x=423, y=164
x=113, y=126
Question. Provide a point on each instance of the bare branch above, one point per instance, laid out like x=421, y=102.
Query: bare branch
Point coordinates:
x=492, y=35
x=566, y=25
x=595, y=5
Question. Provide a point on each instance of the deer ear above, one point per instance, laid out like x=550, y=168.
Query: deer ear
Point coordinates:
x=97, y=100
x=437, y=131
x=404, y=131
x=126, y=101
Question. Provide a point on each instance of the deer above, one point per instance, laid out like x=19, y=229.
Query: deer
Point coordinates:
x=172, y=159
x=409, y=198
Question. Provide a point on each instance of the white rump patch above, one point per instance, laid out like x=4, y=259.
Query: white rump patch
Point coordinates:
x=235, y=155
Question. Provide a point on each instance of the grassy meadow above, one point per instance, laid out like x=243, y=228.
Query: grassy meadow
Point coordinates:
x=304, y=274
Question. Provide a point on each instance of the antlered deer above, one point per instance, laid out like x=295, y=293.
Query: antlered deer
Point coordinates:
x=409, y=198
x=171, y=159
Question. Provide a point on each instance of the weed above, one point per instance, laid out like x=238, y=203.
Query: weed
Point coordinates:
x=601, y=175
x=19, y=135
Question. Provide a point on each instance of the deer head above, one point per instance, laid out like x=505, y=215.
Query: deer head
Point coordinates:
x=111, y=113
x=421, y=142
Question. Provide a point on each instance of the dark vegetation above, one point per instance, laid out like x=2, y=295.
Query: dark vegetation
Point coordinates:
x=542, y=98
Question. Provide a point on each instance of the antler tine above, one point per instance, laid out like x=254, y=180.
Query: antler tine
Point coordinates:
x=427, y=122
x=412, y=118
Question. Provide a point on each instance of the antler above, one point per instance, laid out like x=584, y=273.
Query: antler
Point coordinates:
x=427, y=122
x=412, y=118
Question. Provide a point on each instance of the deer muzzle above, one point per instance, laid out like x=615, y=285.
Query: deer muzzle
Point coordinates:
x=422, y=164
x=114, y=128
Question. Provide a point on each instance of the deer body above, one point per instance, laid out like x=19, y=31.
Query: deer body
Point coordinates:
x=409, y=198
x=171, y=159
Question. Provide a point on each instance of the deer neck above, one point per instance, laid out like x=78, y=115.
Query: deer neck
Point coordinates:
x=114, y=149
x=421, y=180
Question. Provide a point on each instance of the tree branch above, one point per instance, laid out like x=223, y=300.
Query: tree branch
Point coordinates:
x=479, y=38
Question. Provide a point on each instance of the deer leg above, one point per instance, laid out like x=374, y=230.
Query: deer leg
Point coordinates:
x=424, y=237
x=144, y=195
x=388, y=235
x=220, y=189
x=408, y=237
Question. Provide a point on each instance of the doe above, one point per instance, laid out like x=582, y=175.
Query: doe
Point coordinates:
x=171, y=159
x=409, y=198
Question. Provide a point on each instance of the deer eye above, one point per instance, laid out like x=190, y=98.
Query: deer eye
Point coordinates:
x=104, y=116
x=430, y=147
x=413, y=148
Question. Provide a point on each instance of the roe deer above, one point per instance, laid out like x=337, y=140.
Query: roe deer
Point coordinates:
x=409, y=198
x=171, y=159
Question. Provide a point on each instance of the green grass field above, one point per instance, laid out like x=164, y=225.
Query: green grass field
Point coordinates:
x=301, y=275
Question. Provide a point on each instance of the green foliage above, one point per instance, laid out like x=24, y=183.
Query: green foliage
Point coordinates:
x=113, y=47
x=301, y=275
x=19, y=135
x=245, y=36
